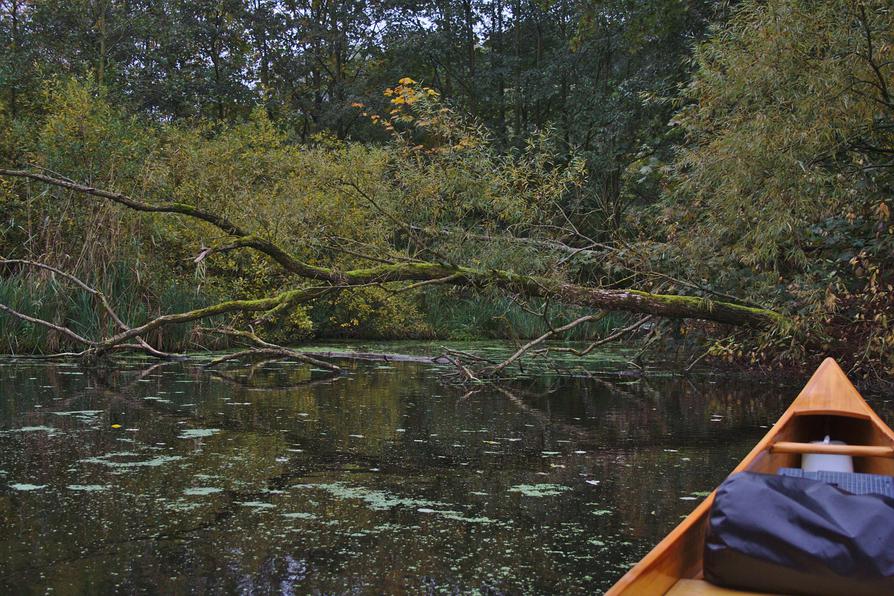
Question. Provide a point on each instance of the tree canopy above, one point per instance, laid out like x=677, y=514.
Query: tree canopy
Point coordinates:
x=735, y=155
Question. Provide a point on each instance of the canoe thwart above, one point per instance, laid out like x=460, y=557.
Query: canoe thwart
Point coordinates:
x=699, y=587
x=831, y=449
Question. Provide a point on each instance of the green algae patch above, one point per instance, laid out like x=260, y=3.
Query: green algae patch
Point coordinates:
x=539, y=490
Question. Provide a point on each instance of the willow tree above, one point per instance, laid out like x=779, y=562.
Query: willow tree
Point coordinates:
x=787, y=171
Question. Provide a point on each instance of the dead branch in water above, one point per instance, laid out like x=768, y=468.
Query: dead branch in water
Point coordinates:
x=265, y=348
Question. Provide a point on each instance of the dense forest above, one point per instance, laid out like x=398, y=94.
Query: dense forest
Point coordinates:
x=714, y=174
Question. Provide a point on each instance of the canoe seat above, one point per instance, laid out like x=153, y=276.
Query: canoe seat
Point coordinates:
x=852, y=482
x=699, y=587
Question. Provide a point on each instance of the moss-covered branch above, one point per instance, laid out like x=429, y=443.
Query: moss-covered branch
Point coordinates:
x=630, y=300
x=283, y=299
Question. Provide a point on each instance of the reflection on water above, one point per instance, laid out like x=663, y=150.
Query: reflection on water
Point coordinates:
x=272, y=478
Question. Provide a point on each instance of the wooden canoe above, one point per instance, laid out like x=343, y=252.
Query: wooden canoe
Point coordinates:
x=828, y=404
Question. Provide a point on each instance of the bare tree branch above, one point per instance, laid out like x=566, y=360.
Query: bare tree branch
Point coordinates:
x=264, y=347
x=58, y=328
x=609, y=338
x=281, y=352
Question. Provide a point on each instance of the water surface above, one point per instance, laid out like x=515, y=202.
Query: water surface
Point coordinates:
x=274, y=478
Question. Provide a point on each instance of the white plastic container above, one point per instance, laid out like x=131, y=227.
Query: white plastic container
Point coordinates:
x=815, y=462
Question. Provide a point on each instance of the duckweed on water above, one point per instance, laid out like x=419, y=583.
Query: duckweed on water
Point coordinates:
x=458, y=516
x=198, y=433
x=34, y=429
x=256, y=504
x=202, y=490
x=375, y=499
x=108, y=460
x=87, y=488
x=539, y=490
x=88, y=416
x=24, y=486
x=181, y=505
x=299, y=515
x=439, y=516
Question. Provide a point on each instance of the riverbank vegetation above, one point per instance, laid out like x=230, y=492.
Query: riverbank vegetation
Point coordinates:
x=718, y=174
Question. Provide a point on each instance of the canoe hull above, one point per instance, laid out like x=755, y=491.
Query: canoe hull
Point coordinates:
x=828, y=404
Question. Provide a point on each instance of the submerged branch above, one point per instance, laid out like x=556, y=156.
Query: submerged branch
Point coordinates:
x=280, y=352
x=266, y=348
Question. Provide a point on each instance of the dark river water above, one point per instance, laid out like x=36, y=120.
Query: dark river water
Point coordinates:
x=274, y=478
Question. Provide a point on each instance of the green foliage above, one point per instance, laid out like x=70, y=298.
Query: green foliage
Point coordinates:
x=84, y=132
x=789, y=126
x=449, y=171
x=372, y=313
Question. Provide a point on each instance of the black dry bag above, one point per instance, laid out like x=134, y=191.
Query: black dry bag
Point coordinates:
x=799, y=536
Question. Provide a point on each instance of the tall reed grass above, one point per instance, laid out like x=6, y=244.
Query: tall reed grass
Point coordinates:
x=45, y=297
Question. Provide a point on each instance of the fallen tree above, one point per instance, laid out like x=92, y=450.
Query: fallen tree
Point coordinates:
x=313, y=282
